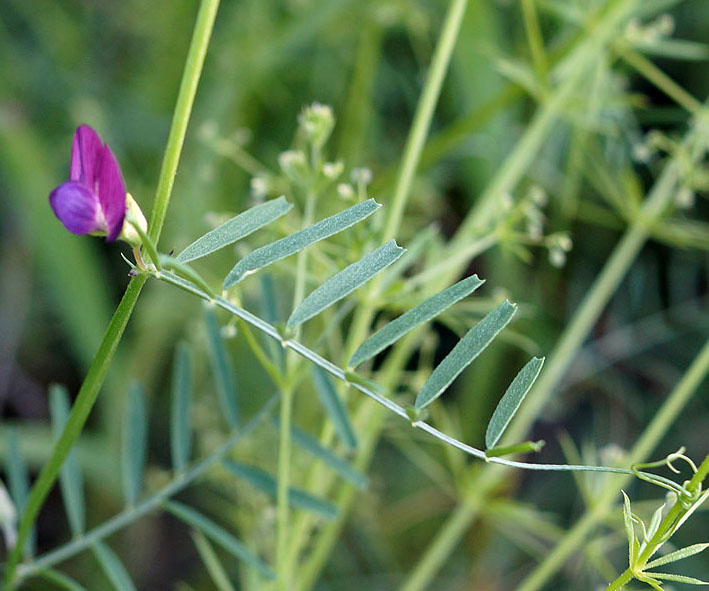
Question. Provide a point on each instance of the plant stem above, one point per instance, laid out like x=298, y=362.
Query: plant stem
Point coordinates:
x=424, y=115
x=286, y=413
x=661, y=80
x=72, y=429
x=99, y=366
x=535, y=40
x=183, y=110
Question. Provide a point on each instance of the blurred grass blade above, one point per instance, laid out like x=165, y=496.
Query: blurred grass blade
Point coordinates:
x=424, y=312
x=311, y=445
x=135, y=441
x=334, y=408
x=465, y=351
x=226, y=389
x=180, y=426
x=70, y=479
x=219, y=535
x=112, y=567
x=345, y=282
x=211, y=562
x=61, y=580
x=235, y=229
x=18, y=481
x=268, y=484
x=266, y=255
x=511, y=401
x=677, y=555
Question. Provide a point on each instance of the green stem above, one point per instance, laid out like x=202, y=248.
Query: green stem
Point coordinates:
x=661, y=80
x=72, y=429
x=183, y=110
x=424, y=115
x=99, y=366
x=535, y=40
x=286, y=414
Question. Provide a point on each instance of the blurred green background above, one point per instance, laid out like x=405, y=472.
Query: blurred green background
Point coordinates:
x=117, y=66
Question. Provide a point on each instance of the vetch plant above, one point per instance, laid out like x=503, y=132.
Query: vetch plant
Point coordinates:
x=324, y=290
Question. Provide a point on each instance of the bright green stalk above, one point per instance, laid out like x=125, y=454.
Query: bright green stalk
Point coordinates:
x=661, y=80
x=286, y=413
x=424, y=115
x=535, y=39
x=655, y=431
x=99, y=366
x=183, y=110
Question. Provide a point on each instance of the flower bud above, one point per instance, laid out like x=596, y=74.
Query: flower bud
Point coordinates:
x=133, y=212
x=316, y=122
x=295, y=165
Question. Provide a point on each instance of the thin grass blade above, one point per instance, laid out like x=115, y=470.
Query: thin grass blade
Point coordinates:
x=309, y=444
x=219, y=535
x=180, y=426
x=285, y=247
x=511, y=401
x=18, y=481
x=235, y=229
x=112, y=567
x=424, y=312
x=465, y=351
x=268, y=484
x=60, y=580
x=226, y=388
x=345, y=282
x=70, y=480
x=210, y=559
x=334, y=408
x=135, y=440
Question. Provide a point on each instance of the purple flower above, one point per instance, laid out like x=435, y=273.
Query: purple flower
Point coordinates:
x=93, y=200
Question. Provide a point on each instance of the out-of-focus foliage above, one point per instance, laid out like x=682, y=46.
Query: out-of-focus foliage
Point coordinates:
x=117, y=66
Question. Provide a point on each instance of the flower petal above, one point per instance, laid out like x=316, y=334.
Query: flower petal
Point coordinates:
x=77, y=208
x=85, y=153
x=111, y=193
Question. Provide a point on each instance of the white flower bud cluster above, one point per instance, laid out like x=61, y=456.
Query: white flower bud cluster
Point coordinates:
x=559, y=244
x=316, y=122
x=260, y=187
x=644, y=34
x=295, y=164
